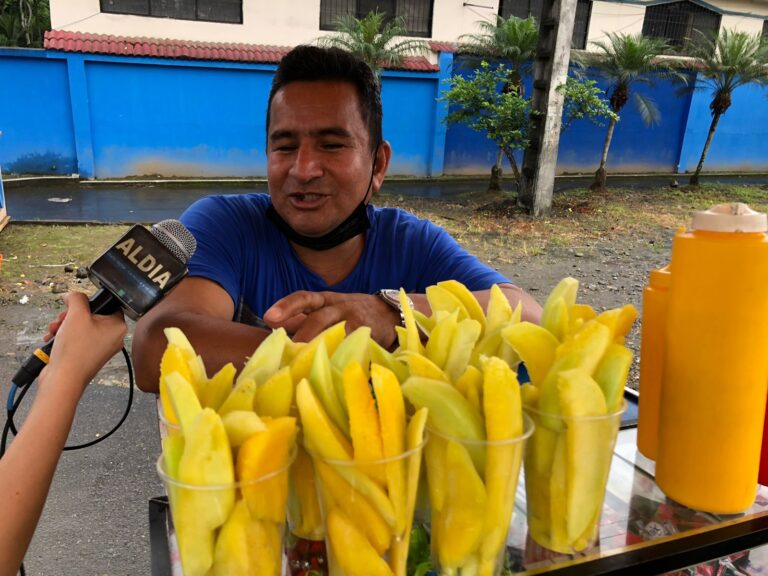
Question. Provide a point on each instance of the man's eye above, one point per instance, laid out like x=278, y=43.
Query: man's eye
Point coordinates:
x=332, y=146
x=284, y=148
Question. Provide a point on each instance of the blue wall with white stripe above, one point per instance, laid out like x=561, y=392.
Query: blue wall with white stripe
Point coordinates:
x=112, y=117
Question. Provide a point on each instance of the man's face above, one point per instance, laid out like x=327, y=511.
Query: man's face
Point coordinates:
x=318, y=155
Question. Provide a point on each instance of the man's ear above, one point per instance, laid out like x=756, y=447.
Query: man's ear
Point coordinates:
x=381, y=164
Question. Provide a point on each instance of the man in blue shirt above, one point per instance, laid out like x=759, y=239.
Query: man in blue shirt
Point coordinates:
x=313, y=252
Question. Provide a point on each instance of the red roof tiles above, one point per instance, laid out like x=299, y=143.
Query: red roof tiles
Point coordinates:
x=437, y=46
x=185, y=49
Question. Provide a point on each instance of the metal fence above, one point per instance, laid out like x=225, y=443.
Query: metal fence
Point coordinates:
x=416, y=14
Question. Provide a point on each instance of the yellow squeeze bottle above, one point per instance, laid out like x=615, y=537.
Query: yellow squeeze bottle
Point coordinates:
x=715, y=375
x=652, y=346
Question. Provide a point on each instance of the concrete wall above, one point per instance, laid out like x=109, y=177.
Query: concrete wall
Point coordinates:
x=109, y=116
x=614, y=17
x=282, y=23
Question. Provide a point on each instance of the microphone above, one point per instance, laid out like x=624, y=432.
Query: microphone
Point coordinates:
x=134, y=274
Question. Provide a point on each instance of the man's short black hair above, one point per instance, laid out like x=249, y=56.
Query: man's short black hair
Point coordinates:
x=315, y=64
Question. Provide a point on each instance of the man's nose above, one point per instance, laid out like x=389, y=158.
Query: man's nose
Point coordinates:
x=306, y=165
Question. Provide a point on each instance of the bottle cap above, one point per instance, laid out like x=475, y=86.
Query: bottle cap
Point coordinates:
x=731, y=217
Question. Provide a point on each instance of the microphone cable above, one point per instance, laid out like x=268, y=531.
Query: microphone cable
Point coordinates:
x=14, y=402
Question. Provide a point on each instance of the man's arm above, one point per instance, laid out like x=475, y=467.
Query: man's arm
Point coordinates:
x=203, y=310
x=306, y=314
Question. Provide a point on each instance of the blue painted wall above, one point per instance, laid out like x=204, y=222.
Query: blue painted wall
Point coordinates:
x=35, y=115
x=741, y=138
x=635, y=147
x=110, y=117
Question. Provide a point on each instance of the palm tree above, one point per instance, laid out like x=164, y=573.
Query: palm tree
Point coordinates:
x=725, y=62
x=374, y=41
x=512, y=40
x=625, y=60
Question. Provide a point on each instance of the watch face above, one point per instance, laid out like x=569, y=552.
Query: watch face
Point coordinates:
x=391, y=296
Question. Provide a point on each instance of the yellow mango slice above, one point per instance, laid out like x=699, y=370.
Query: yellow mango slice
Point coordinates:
x=355, y=506
x=619, y=321
x=241, y=397
x=425, y=322
x=177, y=338
x=461, y=519
x=529, y=395
x=275, y=396
x=391, y=405
x=185, y=404
x=439, y=343
x=441, y=299
x=302, y=362
x=354, y=348
x=351, y=549
x=398, y=559
x=471, y=305
x=320, y=434
x=385, y=358
x=206, y=461
x=464, y=340
x=584, y=350
x=535, y=345
x=413, y=336
x=265, y=453
x=364, y=422
x=578, y=315
x=434, y=456
x=498, y=311
x=245, y=546
x=266, y=359
x=241, y=425
x=419, y=365
x=611, y=374
x=449, y=412
x=306, y=518
x=218, y=387
x=470, y=384
x=567, y=289
x=556, y=321
x=196, y=548
x=588, y=449
x=321, y=380
x=503, y=421
x=558, y=492
x=173, y=361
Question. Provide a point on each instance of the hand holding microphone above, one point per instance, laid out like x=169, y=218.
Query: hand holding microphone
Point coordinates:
x=134, y=274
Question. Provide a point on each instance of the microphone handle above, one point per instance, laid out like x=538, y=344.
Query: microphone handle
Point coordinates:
x=100, y=303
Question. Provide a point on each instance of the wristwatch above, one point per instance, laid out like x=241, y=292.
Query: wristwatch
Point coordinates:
x=392, y=298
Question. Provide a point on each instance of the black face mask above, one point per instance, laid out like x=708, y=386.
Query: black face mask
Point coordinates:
x=356, y=223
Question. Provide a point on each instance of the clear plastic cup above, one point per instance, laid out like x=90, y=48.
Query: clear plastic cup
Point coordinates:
x=367, y=511
x=472, y=486
x=235, y=528
x=566, y=471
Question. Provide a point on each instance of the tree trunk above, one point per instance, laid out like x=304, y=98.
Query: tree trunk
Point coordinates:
x=694, y=181
x=515, y=170
x=600, y=176
x=495, y=183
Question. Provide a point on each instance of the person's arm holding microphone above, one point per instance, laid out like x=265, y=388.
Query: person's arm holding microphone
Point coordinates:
x=84, y=343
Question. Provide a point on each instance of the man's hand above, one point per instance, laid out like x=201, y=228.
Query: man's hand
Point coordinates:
x=305, y=314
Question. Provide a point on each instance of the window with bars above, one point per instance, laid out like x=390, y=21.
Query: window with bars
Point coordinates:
x=525, y=8
x=227, y=11
x=675, y=22
x=417, y=14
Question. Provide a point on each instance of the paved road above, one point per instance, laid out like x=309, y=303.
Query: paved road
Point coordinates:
x=107, y=202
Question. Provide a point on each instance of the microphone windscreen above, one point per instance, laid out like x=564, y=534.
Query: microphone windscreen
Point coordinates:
x=176, y=238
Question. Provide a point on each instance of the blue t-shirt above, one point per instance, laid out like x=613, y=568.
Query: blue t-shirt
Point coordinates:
x=243, y=252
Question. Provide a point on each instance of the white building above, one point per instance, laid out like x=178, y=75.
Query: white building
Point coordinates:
x=292, y=22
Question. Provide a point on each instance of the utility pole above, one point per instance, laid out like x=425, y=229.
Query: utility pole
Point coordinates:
x=550, y=71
